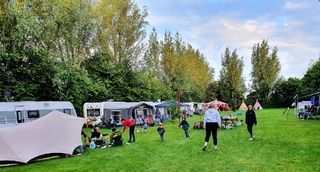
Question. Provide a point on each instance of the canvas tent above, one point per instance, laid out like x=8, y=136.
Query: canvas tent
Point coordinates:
x=54, y=133
x=243, y=106
x=127, y=109
x=257, y=105
x=302, y=104
x=100, y=113
x=162, y=107
x=169, y=104
x=218, y=104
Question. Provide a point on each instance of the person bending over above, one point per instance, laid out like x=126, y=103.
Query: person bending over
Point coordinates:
x=129, y=123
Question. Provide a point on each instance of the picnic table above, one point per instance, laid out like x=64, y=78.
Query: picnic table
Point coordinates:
x=229, y=120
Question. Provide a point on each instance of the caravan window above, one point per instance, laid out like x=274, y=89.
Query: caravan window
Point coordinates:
x=67, y=111
x=93, y=112
x=33, y=114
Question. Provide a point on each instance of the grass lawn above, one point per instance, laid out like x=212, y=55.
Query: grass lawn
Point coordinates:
x=282, y=144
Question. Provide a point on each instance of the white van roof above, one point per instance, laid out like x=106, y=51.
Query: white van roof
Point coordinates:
x=36, y=105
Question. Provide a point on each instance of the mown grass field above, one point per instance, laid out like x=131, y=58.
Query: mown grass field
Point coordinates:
x=282, y=144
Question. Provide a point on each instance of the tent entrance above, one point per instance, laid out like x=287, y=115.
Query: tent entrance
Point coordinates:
x=116, y=116
x=20, y=114
x=144, y=112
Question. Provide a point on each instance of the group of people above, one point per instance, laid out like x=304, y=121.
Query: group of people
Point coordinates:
x=130, y=123
x=99, y=140
x=212, y=121
x=184, y=125
x=308, y=111
x=211, y=124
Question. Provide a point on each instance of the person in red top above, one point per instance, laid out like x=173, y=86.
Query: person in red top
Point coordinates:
x=129, y=123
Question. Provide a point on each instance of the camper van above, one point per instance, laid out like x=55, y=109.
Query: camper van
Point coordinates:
x=98, y=112
x=12, y=113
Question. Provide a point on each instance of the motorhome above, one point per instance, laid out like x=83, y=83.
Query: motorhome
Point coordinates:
x=12, y=113
x=98, y=112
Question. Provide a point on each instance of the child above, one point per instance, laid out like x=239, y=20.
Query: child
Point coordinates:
x=185, y=126
x=161, y=131
x=115, y=138
x=140, y=121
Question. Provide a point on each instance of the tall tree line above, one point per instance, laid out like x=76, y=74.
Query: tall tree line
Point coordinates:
x=88, y=50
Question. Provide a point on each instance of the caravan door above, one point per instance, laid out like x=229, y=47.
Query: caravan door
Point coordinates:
x=20, y=113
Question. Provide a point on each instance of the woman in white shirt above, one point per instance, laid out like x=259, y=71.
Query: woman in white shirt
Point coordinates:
x=211, y=123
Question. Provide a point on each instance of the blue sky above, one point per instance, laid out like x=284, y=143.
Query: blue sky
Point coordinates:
x=293, y=26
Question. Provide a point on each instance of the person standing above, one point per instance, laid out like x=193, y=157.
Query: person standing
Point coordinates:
x=185, y=126
x=161, y=131
x=250, y=121
x=140, y=121
x=129, y=123
x=211, y=123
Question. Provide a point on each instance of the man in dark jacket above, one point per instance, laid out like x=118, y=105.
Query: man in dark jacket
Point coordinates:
x=250, y=120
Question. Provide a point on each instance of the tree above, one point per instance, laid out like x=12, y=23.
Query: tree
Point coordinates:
x=87, y=50
x=284, y=90
x=212, y=92
x=231, y=83
x=185, y=69
x=310, y=81
x=28, y=75
x=121, y=30
x=152, y=57
x=265, y=68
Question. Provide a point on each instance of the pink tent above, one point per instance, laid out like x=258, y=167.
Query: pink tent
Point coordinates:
x=218, y=104
x=54, y=133
x=257, y=105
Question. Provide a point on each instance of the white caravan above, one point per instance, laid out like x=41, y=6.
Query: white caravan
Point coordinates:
x=13, y=113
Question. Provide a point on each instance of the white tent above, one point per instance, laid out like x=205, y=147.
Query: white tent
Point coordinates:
x=54, y=133
x=257, y=105
x=243, y=106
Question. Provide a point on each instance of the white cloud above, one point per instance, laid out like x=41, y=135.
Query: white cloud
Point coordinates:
x=297, y=43
x=293, y=6
x=295, y=48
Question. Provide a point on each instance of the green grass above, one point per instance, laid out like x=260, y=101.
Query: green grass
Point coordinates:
x=282, y=144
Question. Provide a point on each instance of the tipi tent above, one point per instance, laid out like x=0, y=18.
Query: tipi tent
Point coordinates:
x=257, y=105
x=243, y=106
x=54, y=133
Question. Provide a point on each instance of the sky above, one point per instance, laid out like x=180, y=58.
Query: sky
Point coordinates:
x=293, y=26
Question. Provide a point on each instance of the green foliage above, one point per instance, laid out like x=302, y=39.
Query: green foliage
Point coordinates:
x=265, y=68
x=85, y=50
x=212, y=92
x=310, y=81
x=283, y=92
x=74, y=84
x=184, y=68
x=231, y=84
x=121, y=29
x=27, y=75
